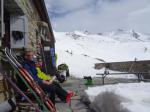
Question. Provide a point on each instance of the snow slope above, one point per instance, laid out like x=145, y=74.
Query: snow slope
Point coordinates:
x=136, y=95
x=80, y=50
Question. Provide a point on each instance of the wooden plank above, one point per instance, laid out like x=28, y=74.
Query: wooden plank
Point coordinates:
x=121, y=73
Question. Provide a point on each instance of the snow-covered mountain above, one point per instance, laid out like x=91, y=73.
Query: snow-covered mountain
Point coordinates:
x=80, y=50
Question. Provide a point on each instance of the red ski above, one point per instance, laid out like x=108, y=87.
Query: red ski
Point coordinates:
x=30, y=81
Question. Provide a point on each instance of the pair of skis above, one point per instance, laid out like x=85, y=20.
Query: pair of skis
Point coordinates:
x=16, y=88
x=22, y=94
x=35, y=88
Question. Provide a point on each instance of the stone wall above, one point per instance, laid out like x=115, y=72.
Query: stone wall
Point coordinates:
x=32, y=17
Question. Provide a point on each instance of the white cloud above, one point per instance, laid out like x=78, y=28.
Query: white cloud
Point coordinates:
x=67, y=5
x=100, y=15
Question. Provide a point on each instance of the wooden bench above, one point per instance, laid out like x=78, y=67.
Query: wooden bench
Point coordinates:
x=106, y=73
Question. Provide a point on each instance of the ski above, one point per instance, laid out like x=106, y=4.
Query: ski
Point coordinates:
x=25, y=82
x=22, y=94
x=30, y=81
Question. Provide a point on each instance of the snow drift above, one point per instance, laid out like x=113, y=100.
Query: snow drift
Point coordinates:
x=132, y=97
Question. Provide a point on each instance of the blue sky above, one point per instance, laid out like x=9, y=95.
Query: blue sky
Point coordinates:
x=99, y=15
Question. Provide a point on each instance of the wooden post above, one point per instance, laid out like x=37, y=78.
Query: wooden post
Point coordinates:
x=103, y=78
x=139, y=77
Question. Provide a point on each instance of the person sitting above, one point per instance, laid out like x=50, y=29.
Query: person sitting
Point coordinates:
x=40, y=73
x=47, y=85
x=39, y=64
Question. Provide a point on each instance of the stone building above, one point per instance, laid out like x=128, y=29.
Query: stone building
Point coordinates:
x=26, y=16
x=25, y=24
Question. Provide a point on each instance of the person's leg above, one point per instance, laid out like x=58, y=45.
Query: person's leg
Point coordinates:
x=60, y=92
x=51, y=91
